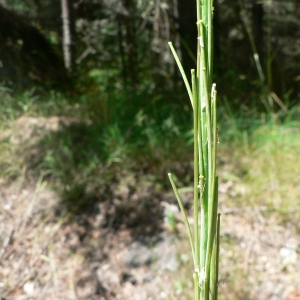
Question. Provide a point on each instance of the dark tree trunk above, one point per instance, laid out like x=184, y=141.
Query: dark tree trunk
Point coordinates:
x=257, y=26
x=121, y=49
x=130, y=48
x=188, y=32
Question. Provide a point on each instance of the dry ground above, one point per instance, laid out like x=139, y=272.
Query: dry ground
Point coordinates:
x=131, y=251
x=48, y=257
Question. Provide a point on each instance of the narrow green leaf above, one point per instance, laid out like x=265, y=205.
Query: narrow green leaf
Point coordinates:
x=186, y=82
x=185, y=218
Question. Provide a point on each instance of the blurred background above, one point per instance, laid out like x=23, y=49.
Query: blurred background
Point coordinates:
x=94, y=114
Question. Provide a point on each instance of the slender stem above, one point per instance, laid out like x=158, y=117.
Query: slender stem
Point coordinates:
x=203, y=96
x=210, y=266
x=187, y=85
x=217, y=256
x=196, y=286
x=185, y=218
x=196, y=170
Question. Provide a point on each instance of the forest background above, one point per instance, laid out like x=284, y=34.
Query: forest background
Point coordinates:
x=91, y=100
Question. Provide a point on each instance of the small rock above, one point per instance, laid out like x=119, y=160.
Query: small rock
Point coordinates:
x=165, y=251
x=288, y=253
x=127, y=277
x=108, y=277
x=139, y=255
x=29, y=287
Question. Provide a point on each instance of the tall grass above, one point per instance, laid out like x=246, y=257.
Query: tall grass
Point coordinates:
x=204, y=238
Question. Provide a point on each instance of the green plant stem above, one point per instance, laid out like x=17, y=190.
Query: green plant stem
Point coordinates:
x=185, y=218
x=196, y=170
x=186, y=82
x=203, y=95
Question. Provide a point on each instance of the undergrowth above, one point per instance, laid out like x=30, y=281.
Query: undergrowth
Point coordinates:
x=97, y=148
x=149, y=139
x=262, y=157
x=266, y=146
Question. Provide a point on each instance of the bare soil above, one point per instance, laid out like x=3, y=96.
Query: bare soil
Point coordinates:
x=45, y=256
x=126, y=248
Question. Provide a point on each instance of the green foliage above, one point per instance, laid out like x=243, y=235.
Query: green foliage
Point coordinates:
x=96, y=138
x=275, y=173
x=134, y=43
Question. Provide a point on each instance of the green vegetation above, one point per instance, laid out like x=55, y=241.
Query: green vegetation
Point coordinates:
x=122, y=112
x=205, y=238
x=90, y=148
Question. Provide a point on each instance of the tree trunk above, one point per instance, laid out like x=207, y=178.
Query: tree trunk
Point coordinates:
x=67, y=39
x=130, y=42
x=188, y=32
x=257, y=27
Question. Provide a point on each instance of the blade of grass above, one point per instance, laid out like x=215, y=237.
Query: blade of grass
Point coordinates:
x=185, y=218
x=186, y=82
x=196, y=171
